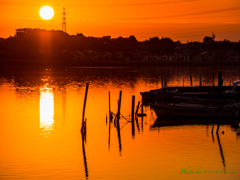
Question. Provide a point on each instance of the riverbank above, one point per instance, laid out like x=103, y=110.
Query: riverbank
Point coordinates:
x=19, y=63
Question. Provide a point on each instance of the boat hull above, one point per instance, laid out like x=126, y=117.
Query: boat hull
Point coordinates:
x=162, y=122
x=214, y=100
x=200, y=91
x=190, y=111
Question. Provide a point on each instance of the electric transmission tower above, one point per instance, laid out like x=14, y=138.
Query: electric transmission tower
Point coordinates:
x=64, y=25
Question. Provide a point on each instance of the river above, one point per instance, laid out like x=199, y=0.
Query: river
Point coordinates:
x=41, y=118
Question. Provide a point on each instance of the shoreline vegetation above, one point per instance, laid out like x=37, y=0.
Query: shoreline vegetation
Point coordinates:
x=16, y=63
x=56, y=48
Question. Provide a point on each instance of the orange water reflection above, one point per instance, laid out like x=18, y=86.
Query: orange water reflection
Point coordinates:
x=153, y=153
x=46, y=110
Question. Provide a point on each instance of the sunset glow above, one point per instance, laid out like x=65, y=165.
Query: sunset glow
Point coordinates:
x=184, y=20
x=46, y=110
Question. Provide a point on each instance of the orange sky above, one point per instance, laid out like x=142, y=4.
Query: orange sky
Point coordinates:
x=184, y=20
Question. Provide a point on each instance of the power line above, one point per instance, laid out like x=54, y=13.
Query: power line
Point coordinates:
x=203, y=17
x=181, y=15
x=201, y=34
x=106, y=5
x=199, y=28
x=217, y=29
x=137, y=4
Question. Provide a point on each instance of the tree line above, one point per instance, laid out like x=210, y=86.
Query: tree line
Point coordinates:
x=28, y=43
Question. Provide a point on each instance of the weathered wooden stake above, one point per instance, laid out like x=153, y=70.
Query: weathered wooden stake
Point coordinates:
x=84, y=104
x=212, y=128
x=142, y=117
x=84, y=158
x=213, y=79
x=217, y=128
x=191, y=79
x=137, y=108
x=109, y=102
x=220, y=79
x=220, y=82
x=118, y=125
x=119, y=106
x=212, y=136
x=221, y=151
x=133, y=104
x=200, y=80
x=84, y=107
x=136, y=118
x=165, y=84
x=110, y=114
x=84, y=130
x=162, y=81
x=109, y=132
x=119, y=137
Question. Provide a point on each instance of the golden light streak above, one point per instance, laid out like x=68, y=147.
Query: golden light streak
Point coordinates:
x=46, y=109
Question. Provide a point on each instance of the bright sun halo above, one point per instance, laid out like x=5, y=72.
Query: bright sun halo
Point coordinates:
x=46, y=12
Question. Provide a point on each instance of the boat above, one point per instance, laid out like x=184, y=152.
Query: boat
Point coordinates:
x=194, y=110
x=200, y=91
x=207, y=100
x=163, y=121
x=158, y=93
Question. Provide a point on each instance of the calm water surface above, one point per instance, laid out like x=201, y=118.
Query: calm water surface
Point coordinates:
x=41, y=114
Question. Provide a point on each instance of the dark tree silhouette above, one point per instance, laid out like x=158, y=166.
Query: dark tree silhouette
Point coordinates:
x=207, y=40
x=161, y=46
x=55, y=45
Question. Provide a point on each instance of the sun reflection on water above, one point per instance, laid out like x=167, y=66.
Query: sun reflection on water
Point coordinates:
x=46, y=110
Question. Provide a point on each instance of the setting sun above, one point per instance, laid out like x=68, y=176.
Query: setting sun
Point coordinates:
x=46, y=12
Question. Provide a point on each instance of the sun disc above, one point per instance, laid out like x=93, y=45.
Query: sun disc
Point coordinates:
x=46, y=12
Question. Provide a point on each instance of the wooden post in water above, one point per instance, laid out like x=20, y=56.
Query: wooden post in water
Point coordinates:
x=84, y=158
x=220, y=79
x=119, y=106
x=218, y=128
x=212, y=128
x=109, y=132
x=109, y=102
x=110, y=114
x=118, y=125
x=133, y=104
x=162, y=81
x=200, y=80
x=137, y=108
x=83, y=128
x=183, y=82
x=212, y=136
x=221, y=151
x=142, y=117
x=137, y=123
x=136, y=117
x=84, y=104
x=191, y=79
x=107, y=119
x=213, y=79
x=165, y=83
